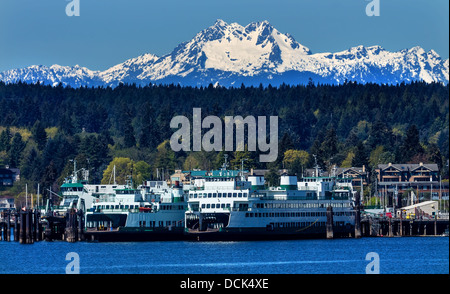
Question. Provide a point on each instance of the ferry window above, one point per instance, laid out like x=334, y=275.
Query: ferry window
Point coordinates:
x=117, y=207
x=219, y=195
x=229, y=195
x=126, y=206
x=208, y=205
x=214, y=195
x=213, y=205
x=239, y=194
x=245, y=194
x=203, y=205
x=228, y=205
x=222, y=205
x=234, y=194
x=209, y=195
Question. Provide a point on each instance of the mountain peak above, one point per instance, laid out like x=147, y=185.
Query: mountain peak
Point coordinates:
x=220, y=22
x=231, y=54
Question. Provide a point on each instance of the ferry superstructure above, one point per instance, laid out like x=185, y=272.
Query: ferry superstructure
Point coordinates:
x=228, y=207
x=154, y=211
x=75, y=192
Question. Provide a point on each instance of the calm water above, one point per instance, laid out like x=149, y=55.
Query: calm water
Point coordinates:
x=408, y=255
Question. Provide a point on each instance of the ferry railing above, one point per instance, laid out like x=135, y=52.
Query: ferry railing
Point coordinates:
x=117, y=210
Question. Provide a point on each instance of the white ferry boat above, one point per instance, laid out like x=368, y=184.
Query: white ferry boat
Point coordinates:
x=154, y=211
x=223, y=206
x=78, y=193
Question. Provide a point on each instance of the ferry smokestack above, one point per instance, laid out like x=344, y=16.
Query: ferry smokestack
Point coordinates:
x=288, y=182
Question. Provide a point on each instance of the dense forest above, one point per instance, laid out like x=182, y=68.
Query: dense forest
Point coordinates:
x=42, y=127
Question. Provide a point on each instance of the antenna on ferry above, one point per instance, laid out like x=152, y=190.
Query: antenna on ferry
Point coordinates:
x=316, y=166
x=242, y=168
x=74, y=176
x=225, y=163
x=114, y=175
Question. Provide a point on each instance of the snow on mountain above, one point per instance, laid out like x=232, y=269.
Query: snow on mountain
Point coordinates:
x=76, y=76
x=230, y=54
x=129, y=70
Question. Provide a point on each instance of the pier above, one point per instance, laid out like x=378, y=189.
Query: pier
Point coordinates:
x=397, y=227
x=28, y=226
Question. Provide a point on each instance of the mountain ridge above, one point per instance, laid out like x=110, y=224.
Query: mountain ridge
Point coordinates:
x=231, y=54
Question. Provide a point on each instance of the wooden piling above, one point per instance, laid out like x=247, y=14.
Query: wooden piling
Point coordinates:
x=8, y=226
x=37, y=233
x=80, y=223
x=435, y=226
x=29, y=227
x=329, y=226
x=358, y=217
x=391, y=233
x=70, y=230
x=48, y=231
x=16, y=231
x=401, y=227
x=22, y=228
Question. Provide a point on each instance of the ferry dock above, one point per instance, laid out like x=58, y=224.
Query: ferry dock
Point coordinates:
x=27, y=226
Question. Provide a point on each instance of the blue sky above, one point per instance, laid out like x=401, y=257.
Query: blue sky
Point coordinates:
x=108, y=32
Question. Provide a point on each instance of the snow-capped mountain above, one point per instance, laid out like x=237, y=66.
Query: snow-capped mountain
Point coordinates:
x=231, y=54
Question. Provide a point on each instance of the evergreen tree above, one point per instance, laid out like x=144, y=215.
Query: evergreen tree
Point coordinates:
x=411, y=144
x=15, y=152
x=30, y=166
x=242, y=155
x=380, y=134
x=50, y=176
x=329, y=145
x=39, y=135
x=361, y=157
x=272, y=177
x=148, y=136
x=66, y=124
x=5, y=139
x=129, y=140
x=316, y=151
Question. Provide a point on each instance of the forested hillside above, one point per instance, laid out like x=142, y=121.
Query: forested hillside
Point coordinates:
x=43, y=127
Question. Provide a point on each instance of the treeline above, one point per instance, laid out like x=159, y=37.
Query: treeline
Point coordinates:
x=43, y=127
